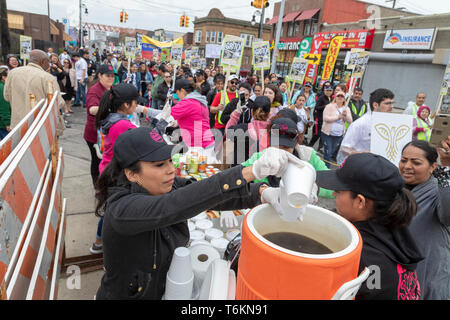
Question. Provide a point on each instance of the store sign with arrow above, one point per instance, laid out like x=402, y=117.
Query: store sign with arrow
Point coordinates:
x=313, y=58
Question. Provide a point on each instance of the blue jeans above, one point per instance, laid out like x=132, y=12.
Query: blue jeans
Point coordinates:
x=3, y=133
x=81, y=92
x=99, y=229
x=330, y=145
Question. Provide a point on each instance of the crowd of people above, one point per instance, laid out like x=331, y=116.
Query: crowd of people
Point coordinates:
x=134, y=106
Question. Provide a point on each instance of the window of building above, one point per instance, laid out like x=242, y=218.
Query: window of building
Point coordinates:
x=248, y=39
x=207, y=37
x=219, y=37
x=290, y=32
x=198, y=36
x=213, y=36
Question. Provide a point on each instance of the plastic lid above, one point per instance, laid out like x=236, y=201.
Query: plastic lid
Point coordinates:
x=197, y=235
x=203, y=224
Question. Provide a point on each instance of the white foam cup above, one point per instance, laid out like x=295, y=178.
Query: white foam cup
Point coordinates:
x=213, y=233
x=220, y=244
x=180, y=269
x=178, y=291
x=203, y=224
x=289, y=213
x=298, y=183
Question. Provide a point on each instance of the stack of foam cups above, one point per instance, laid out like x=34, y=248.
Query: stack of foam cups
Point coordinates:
x=180, y=277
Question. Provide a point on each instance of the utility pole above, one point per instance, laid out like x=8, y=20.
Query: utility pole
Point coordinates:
x=261, y=22
x=277, y=39
x=49, y=22
x=80, y=43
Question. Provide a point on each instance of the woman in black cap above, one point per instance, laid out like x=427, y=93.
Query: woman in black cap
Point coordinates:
x=371, y=193
x=146, y=208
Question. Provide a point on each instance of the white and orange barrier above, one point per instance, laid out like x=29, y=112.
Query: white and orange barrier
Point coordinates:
x=31, y=206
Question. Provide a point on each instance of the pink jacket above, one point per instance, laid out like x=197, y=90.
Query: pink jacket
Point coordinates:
x=192, y=115
x=330, y=116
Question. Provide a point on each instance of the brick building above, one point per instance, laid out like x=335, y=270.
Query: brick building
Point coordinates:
x=212, y=28
x=304, y=18
x=45, y=33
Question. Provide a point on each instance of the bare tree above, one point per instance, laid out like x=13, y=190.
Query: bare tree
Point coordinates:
x=4, y=30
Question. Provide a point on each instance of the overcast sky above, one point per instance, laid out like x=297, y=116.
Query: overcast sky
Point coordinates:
x=155, y=14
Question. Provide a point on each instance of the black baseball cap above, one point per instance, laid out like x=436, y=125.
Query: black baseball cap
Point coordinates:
x=284, y=132
x=262, y=102
x=182, y=84
x=105, y=69
x=140, y=144
x=368, y=174
x=124, y=92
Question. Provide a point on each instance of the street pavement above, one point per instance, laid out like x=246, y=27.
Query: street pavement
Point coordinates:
x=81, y=221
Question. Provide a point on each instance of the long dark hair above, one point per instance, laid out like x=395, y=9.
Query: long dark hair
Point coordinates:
x=396, y=213
x=113, y=175
x=108, y=104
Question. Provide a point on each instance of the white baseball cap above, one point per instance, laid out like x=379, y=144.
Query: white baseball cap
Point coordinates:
x=233, y=77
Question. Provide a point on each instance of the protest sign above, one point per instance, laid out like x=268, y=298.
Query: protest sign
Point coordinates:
x=232, y=49
x=176, y=54
x=354, y=55
x=389, y=134
x=446, y=81
x=25, y=47
x=165, y=54
x=298, y=70
x=212, y=51
x=130, y=47
x=361, y=64
x=330, y=60
x=261, y=55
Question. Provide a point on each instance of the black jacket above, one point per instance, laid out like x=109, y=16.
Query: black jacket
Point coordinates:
x=141, y=231
x=322, y=102
x=392, y=256
x=121, y=71
x=246, y=116
x=163, y=89
x=205, y=88
x=210, y=98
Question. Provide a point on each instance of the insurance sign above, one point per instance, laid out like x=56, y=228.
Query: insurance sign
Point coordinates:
x=414, y=39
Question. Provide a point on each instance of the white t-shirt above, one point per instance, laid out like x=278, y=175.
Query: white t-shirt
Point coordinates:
x=357, y=137
x=81, y=65
x=302, y=119
x=63, y=57
x=337, y=128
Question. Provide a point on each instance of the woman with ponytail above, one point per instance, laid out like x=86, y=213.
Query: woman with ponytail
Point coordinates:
x=371, y=193
x=113, y=119
x=430, y=185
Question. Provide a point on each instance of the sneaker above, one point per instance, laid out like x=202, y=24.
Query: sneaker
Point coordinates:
x=96, y=249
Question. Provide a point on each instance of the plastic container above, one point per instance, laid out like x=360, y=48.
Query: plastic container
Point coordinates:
x=268, y=271
x=203, y=224
x=220, y=244
x=213, y=233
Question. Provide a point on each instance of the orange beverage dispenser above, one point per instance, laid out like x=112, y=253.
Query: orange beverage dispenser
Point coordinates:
x=271, y=269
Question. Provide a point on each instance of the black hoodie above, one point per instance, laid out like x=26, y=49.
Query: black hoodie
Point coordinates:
x=392, y=256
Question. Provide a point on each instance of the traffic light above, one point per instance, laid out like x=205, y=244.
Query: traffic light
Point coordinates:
x=121, y=16
x=265, y=3
x=182, y=21
x=186, y=22
x=257, y=4
x=126, y=17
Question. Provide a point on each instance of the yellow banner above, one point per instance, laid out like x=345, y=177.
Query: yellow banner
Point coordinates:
x=330, y=61
x=160, y=44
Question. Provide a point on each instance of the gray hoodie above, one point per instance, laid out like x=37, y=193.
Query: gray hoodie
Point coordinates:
x=197, y=96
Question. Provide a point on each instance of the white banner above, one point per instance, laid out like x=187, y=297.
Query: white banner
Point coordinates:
x=389, y=134
x=414, y=39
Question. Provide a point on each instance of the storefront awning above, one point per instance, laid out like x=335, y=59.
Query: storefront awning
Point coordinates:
x=291, y=16
x=15, y=21
x=307, y=14
x=66, y=37
x=273, y=20
x=54, y=30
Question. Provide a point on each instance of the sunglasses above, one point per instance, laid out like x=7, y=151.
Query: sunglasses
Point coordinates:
x=234, y=82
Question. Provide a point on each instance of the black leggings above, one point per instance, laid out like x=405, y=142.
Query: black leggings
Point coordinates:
x=95, y=162
x=317, y=130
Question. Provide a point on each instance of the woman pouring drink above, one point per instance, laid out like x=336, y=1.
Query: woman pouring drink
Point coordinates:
x=146, y=208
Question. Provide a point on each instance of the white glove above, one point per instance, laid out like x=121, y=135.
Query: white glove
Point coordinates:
x=273, y=162
x=314, y=198
x=272, y=196
x=140, y=109
x=229, y=219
